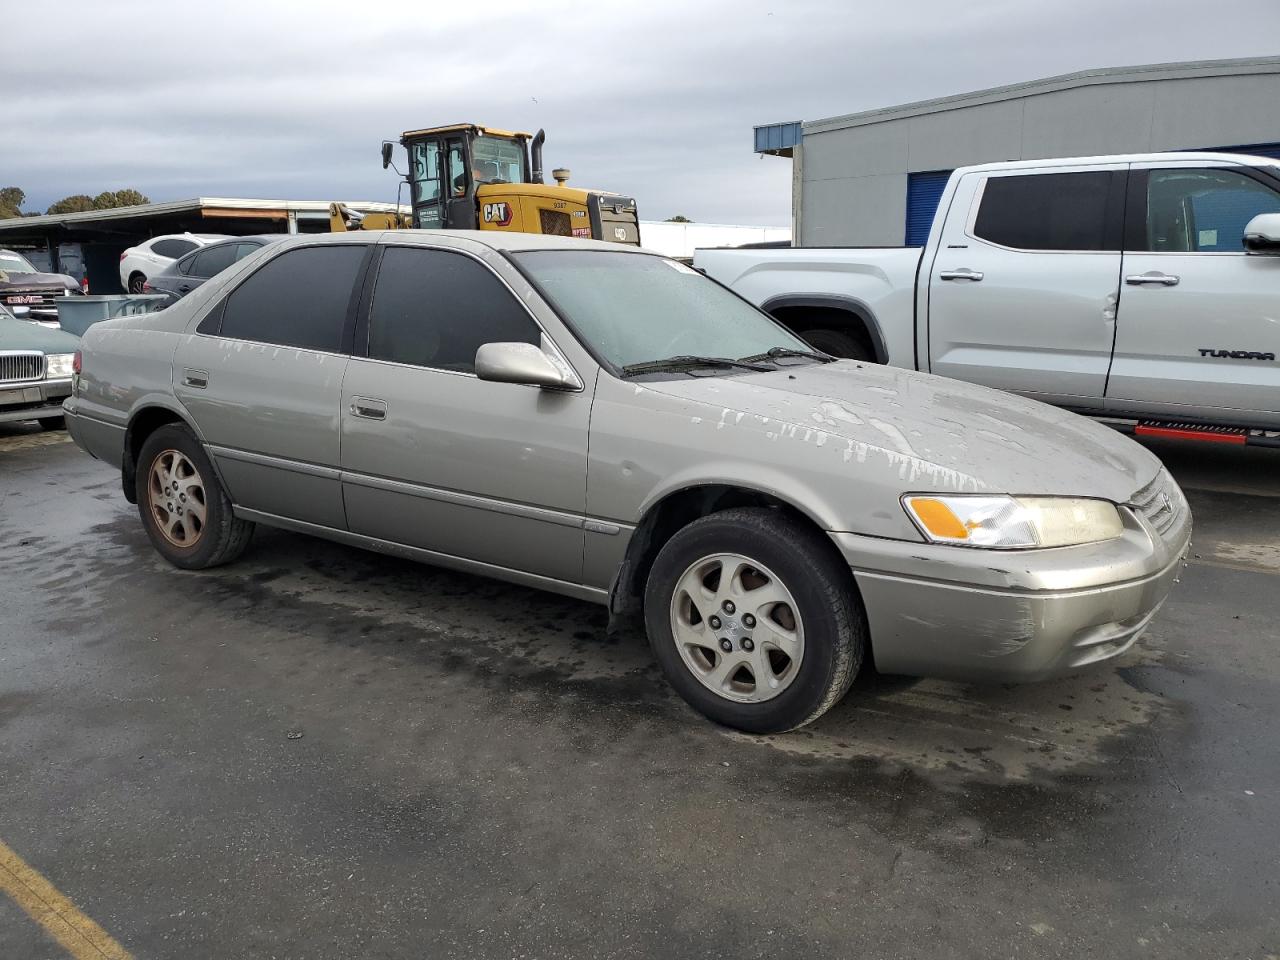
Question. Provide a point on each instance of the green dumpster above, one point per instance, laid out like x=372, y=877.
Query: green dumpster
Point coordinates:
x=78, y=314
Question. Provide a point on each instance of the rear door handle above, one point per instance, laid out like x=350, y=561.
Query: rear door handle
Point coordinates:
x=368, y=408
x=964, y=273
x=195, y=378
x=1164, y=279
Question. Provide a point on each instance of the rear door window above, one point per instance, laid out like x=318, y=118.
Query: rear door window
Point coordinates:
x=213, y=260
x=299, y=299
x=433, y=308
x=172, y=248
x=1052, y=211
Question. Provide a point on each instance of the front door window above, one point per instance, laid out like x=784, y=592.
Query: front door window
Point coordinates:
x=1203, y=211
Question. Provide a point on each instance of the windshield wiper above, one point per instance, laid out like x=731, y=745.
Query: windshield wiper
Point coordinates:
x=685, y=362
x=775, y=352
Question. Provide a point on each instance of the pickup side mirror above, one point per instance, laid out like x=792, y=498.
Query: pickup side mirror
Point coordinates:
x=1262, y=234
x=387, y=147
x=522, y=363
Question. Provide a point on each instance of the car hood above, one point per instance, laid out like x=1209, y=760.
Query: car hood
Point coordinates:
x=21, y=282
x=25, y=335
x=933, y=432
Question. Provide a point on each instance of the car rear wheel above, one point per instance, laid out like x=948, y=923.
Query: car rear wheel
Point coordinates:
x=183, y=507
x=754, y=620
x=136, y=282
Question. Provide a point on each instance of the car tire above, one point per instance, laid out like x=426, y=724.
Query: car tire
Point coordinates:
x=794, y=624
x=838, y=343
x=183, y=507
x=136, y=281
x=52, y=423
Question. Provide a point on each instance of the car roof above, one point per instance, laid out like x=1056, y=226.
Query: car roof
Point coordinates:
x=1183, y=156
x=493, y=239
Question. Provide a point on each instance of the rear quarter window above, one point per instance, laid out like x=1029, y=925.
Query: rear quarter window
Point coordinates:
x=172, y=248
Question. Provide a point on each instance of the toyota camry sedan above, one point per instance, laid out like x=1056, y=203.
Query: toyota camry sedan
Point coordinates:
x=608, y=424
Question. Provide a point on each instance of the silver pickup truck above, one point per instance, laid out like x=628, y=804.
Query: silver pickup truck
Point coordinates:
x=1143, y=288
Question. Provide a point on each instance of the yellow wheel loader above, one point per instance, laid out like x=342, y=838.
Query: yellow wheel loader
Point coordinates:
x=468, y=177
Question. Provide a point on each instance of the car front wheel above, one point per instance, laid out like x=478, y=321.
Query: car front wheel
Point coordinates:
x=754, y=619
x=184, y=509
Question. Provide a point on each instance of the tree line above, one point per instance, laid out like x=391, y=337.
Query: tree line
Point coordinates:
x=12, y=199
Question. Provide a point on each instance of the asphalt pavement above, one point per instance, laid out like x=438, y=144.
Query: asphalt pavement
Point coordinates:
x=322, y=752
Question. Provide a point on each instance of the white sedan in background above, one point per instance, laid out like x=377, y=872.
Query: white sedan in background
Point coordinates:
x=149, y=258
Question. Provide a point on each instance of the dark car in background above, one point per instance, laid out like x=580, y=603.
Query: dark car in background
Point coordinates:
x=186, y=273
x=30, y=294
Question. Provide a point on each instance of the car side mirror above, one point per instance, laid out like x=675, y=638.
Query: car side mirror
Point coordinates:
x=522, y=363
x=387, y=147
x=1262, y=234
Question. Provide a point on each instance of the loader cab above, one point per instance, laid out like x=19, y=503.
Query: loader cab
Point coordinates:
x=468, y=177
x=448, y=165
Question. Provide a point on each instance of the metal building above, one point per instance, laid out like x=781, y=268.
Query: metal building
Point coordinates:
x=874, y=178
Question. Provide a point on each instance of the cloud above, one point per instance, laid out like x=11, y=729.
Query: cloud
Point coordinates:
x=654, y=99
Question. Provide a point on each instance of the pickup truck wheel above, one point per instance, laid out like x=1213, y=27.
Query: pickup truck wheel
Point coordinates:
x=52, y=423
x=753, y=620
x=184, y=509
x=838, y=343
x=136, y=280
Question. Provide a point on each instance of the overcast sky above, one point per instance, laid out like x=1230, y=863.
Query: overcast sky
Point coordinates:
x=655, y=98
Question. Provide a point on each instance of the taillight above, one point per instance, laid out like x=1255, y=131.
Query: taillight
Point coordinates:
x=84, y=286
x=75, y=363
x=122, y=256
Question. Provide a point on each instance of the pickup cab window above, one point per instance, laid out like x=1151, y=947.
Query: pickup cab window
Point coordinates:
x=1052, y=211
x=1202, y=211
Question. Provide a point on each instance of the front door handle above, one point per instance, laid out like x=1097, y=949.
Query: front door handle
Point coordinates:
x=964, y=273
x=369, y=408
x=1155, y=276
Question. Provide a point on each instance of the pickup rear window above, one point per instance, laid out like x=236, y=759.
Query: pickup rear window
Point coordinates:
x=1052, y=211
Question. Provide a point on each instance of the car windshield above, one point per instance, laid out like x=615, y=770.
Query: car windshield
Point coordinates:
x=635, y=309
x=13, y=263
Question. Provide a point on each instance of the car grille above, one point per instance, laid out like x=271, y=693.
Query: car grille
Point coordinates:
x=43, y=298
x=16, y=367
x=1160, y=503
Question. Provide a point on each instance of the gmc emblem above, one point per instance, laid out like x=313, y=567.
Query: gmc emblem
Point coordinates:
x=26, y=298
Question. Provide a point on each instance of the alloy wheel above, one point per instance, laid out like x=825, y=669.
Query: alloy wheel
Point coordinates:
x=177, y=498
x=737, y=628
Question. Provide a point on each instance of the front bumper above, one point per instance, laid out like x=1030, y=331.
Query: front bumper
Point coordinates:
x=987, y=615
x=33, y=400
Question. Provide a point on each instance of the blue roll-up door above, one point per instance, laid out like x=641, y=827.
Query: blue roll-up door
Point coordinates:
x=924, y=190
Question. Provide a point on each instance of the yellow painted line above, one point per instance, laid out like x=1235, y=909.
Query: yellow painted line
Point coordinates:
x=61, y=919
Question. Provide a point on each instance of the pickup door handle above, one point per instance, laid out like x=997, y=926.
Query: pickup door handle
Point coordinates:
x=369, y=408
x=195, y=378
x=1164, y=279
x=964, y=273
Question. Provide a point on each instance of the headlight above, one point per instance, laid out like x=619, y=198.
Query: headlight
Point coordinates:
x=58, y=365
x=1011, y=522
